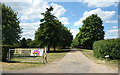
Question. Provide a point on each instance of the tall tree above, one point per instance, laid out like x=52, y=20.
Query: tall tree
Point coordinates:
x=29, y=42
x=23, y=43
x=51, y=32
x=91, y=31
x=75, y=42
x=47, y=33
x=10, y=26
x=66, y=37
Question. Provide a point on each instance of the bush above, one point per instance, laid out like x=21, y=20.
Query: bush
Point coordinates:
x=5, y=50
x=109, y=47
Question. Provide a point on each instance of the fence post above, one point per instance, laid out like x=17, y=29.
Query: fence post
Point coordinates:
x=45, y=56
x=9, y=56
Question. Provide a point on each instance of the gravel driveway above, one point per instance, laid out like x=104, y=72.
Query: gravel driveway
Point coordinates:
x=73, y=62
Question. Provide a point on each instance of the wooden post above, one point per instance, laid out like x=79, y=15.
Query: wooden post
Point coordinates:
x=48, y=48
x=9, y=56
x=54, y=48
x=45, y=56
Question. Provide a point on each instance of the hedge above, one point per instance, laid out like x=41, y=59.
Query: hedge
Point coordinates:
x=5, y=50
x=109, y=47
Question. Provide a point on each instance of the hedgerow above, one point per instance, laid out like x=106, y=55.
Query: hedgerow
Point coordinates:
x=109, y=47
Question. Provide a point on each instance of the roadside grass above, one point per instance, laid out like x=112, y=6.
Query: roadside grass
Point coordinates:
x=89, y=54
x=16, y=65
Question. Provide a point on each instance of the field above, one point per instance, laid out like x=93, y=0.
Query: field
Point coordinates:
x=16, y=65
x=89, y=54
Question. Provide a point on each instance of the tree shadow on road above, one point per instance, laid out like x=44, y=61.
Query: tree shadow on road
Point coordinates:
x=63, y=51
x=59, y=51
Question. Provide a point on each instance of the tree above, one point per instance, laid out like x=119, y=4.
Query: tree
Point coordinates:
x=29, y=42
x=10, y=26
x=23, y=43
x=47, y=33
x=66, y=37
x=75, y=42
x=91, y=31
x=51, y=31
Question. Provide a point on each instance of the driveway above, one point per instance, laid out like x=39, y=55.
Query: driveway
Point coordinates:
x=73, y=62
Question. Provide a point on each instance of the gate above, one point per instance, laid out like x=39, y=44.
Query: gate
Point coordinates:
x=27, y=55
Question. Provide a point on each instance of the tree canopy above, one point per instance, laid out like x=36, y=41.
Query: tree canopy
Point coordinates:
x=51, y=31
x=23, y=43
x=10, y=26
x=91, y=31
x=29, y=42
x=75, y=42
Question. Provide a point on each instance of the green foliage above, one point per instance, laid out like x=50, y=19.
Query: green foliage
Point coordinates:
x=51, y=32
x=91, y=31
x=5, y=50
x=47, y=33
x=65, y=37
x=75, y=42
x=29, y=42
x=23, y=43
x=10, y=26
x=109, y=47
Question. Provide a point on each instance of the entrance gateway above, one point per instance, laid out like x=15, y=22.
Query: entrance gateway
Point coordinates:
x=28, y=55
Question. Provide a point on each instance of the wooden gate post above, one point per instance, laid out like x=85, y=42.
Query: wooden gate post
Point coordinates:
x=9, y=56
x=45, y=56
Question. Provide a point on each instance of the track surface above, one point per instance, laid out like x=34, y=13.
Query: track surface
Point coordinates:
x=73, y=62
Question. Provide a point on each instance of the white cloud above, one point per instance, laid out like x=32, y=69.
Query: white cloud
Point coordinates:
x=27, y=35
x=58, y=10
x=34, y=10
x=105, y=15
x=74, y=32
x=64, y=20
x=31, y=12
x=108, y=21
x=113, y=37
x=113, y=31
x=111, y=34
x=34, y=26
x=29, y=29
x=16, y=0
x=101, y=3
x=114, y=26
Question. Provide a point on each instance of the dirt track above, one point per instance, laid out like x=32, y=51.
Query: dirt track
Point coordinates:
x=73, y=62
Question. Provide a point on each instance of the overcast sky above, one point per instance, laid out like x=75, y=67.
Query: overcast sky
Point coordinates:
x=70, y=13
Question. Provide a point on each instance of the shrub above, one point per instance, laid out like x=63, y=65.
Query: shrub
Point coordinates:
x=5, y=50
x=109, y=47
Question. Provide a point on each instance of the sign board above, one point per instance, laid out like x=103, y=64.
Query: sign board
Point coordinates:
x=36, y=52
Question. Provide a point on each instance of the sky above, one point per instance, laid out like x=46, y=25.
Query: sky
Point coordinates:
x=70, y=13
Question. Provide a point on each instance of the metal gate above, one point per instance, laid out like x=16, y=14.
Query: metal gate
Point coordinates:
x=27, y=55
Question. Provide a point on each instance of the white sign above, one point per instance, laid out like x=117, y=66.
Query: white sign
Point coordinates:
x=36, y=52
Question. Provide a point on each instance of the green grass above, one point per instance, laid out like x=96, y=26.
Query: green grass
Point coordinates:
x=89, y=54
x=51, y=56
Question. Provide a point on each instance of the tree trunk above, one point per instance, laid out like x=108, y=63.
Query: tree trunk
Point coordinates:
x=48, y=48
x=54, y=48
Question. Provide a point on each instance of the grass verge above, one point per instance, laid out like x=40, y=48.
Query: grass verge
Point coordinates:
x=89, y=54
x=51, y=56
